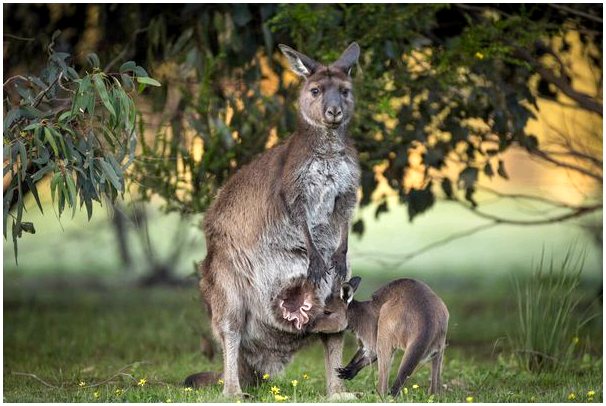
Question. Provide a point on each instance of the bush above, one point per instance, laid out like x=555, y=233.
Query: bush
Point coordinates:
x=549, y=316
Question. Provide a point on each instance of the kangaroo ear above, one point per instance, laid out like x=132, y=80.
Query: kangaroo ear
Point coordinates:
x=348, y=59
x=349, y=288
x=301, y=64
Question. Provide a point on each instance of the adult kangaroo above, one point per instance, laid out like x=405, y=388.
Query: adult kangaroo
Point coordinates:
x=284, y=216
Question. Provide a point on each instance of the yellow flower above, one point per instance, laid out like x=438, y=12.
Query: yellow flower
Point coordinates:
x=591, y=393
x=188, y=389
x=96, y=394
x=479, y=55
x=82, y=384
x=294, y=383
x=142, y=381
x=265, y=377
x=305, y=376
x=280, y=398
x=220, y=381
x=169, y=401
x=575, y=340
x=469, y=399
x=275, y=390
x=415, y=386
x=119, y=392
x=405, y=390
x=572, y=396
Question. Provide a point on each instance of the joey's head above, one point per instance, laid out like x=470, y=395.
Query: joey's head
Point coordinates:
x=326, y=99
x=333, y=319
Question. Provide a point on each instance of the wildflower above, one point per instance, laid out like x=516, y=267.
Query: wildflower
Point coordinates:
x=265, y=377
x=572, y=396
x=142, y=382
x=96, y=394
x=469, y=399
x=188, y=389
x=479, y=55
x=294, y=383
x=82, y=384
x=119, y=392
x=280, y=398
x=591, y=393
x=305, y=376
x=405, y=390
x=415, y=386
x=220, y=381
x=575, y=340
x=275, y=390
x=169, y=401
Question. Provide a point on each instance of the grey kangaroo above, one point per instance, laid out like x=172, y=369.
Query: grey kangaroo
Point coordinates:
x=284, y=216
x=404, y=314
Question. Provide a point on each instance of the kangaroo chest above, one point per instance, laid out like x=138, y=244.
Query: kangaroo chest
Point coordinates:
x=322, y=180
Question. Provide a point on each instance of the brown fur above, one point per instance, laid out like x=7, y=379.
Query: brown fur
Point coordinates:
x=280, y=219
x=404, y=314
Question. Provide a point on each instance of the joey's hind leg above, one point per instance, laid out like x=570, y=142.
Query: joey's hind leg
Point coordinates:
x=361, y=359
x=436, y=372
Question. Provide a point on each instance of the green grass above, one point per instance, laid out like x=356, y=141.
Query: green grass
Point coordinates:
x=112, y=335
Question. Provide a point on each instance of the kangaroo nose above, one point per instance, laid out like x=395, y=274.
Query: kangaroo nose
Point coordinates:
x=334, y=114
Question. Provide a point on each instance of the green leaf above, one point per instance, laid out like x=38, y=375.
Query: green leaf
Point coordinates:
x=447, y=188
x=148, y=81
x=382, y=208
x=501, y=170
x=34, y=190
x=54, y=182
x=358, y=227
x=93, y=60
x=102, y=91
x=48, y=135
x=28, y=227
x=128, y=66
x=23, y=157
x=109, y=172
x=10, y=118
x=73, y=194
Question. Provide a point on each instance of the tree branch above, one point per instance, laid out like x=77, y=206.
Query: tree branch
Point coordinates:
x=577, y=212
x=577, y=12
x=583, y=171
x=584, y=100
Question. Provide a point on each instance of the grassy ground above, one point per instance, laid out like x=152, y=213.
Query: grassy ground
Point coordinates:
x=111, y=343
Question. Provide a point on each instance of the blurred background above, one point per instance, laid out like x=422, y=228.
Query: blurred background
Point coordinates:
x=479, y=130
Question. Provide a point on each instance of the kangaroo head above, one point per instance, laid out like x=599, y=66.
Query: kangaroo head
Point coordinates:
x=326, y=99
x=334, y=317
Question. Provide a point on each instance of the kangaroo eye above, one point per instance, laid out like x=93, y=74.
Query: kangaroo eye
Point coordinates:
x=315, y=92
x=345, y=92
x=327, y=312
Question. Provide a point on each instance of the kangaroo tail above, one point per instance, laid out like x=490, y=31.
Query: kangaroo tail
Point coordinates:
x=413, y=355
x=202, y=379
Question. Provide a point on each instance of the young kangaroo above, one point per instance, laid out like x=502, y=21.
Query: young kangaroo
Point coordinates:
x=283, y=216
x=404, y=314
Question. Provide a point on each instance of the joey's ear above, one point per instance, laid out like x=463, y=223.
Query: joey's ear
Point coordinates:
x=348, y=59
x=349, y=288
x=355, y=282
x=301, y=64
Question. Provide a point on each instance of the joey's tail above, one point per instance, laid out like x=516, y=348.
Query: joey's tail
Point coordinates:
x=202, y=379
x=414, y=354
